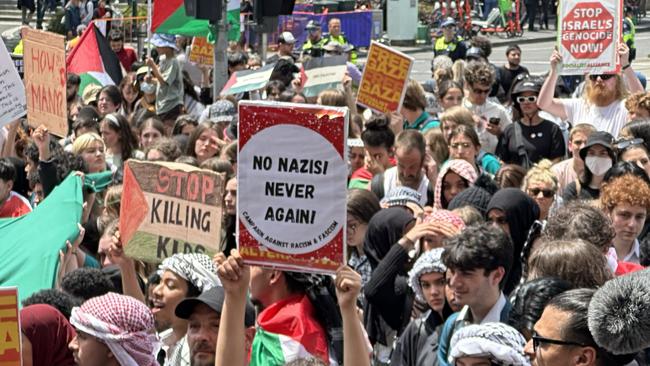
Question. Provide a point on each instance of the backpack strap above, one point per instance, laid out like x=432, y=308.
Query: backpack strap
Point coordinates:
x=521, y=150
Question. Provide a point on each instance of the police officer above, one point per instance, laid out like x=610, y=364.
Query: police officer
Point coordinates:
x=335, y=35
x=449, y=43
x=314, y=44
x=629, y=31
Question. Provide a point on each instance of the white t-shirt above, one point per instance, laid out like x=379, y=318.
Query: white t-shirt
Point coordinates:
x=610, y=119
x=391, y=181
x=488, y=110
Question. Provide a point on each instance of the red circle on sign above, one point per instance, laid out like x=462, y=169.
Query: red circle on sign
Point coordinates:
x=587, y=30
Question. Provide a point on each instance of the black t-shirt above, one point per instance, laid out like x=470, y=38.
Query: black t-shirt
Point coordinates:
x=506, y=76
x=544, y=141
x=586, y=192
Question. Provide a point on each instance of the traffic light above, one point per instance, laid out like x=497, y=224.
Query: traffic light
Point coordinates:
x=204, y=9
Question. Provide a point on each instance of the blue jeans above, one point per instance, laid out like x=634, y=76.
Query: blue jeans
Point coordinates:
x=488, y=5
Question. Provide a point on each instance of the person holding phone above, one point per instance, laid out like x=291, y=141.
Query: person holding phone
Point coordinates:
x=479, y=78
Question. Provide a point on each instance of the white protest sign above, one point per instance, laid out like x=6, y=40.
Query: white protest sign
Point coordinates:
x=292, y=176
x=13, y=103
x=588, y=36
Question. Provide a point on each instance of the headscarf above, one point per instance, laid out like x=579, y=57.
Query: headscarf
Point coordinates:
x=384, y=229
x=446, y=216
x=521, y=212
x=198, y=269
x=428, y=262
x=464, y=169
x=49, y=333
x=121, y=322
x=499, y=342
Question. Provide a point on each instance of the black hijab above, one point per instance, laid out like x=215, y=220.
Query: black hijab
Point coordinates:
x=384, y=229
x=521, y=212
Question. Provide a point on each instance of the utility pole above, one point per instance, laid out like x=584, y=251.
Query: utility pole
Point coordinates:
x=220, y=70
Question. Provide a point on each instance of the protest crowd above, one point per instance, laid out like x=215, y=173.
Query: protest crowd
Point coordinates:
x=493, y=218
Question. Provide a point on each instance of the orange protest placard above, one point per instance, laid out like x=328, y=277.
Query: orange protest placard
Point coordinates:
x=10, y=347
x=201, y=51
x=45, y=80
x=385, y=77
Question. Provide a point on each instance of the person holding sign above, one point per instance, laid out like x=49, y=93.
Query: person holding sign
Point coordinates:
x=603, y=101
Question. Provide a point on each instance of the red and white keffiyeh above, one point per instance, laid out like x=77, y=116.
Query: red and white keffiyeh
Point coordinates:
x=123, y=323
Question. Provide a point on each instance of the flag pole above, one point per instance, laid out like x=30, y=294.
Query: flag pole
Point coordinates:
x=220, y=71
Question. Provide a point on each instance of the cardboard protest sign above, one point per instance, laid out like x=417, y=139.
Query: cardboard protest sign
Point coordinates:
x=291, y=185
x=201, y=51
x=170, y=208
x=10, y=344
x=45, y=80
x=247, y=80
x=588, y=36
x=384, y=80
x=12, y=91
x=323, y=73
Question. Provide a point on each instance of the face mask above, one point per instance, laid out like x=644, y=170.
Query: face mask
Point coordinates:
x=598, y=165
x=162, y=58
x=147, y=88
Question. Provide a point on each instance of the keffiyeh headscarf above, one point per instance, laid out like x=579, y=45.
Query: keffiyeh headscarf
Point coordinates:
x=195, y=268
x=499, y=342
x=428, y=262
x=121, y=322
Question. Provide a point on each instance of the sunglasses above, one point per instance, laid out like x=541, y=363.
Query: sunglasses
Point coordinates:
x=480, y=91
x=547, y=193
x=528, y=99
x=537, y=340
x=603, y=77
x=624, y=144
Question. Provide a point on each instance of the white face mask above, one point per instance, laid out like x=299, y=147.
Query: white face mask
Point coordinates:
x=147, y=88
x=598, y=165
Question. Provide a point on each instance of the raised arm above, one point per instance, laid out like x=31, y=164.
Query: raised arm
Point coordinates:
x=546, y=101
x=231, y=343
x=631, y=80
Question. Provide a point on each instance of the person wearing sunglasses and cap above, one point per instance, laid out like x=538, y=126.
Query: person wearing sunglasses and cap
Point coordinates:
x=603, y=101
x=530, y=138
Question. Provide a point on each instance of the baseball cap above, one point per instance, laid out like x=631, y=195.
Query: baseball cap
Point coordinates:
x=286, y=37
x=312, y=25
x=212, y=298
x=474, y=53
x=89, y=94
x=220, y=111
x=448, y=22
x=164, y=40
x=599, y=138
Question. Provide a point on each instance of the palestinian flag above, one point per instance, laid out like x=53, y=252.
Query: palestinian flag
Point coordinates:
x=169, y=17
x=287, y=331
x=94, y=60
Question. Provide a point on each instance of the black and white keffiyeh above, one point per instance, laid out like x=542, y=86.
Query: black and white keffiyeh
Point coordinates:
x=428, y=262
x=499, y=342
x=195, y=268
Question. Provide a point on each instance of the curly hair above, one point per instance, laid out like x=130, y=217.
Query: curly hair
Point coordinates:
x=479, y=72
x=84, y=283
x=167, y=147
x=580, y=220
x=628, y=189
x=575, y=261
x=540, y=173
x=58, y=299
